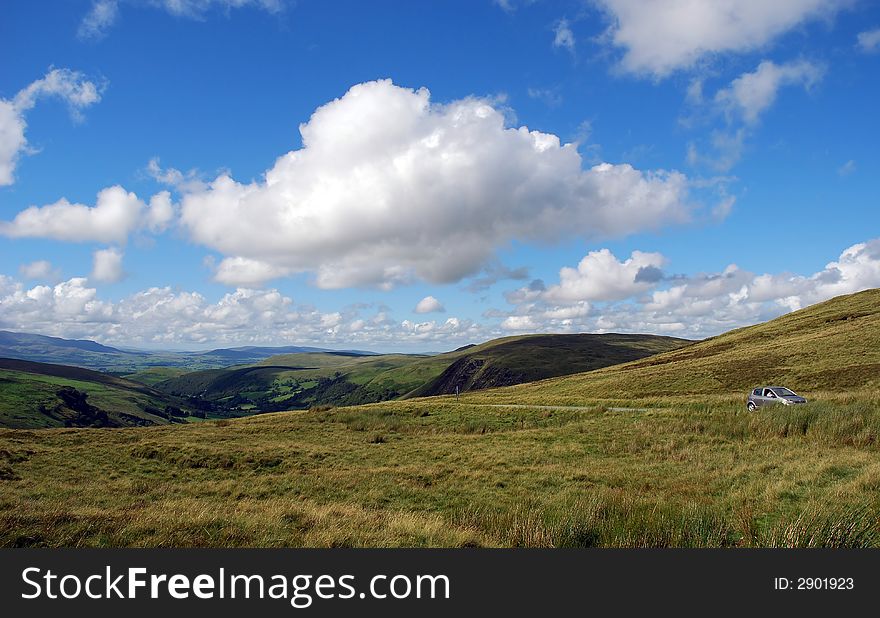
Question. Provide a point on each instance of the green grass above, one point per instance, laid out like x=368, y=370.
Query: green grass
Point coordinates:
x=156, y=375
x=21, y=395
x=433, y=473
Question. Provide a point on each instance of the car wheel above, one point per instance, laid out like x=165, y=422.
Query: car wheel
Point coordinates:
x=752, y=407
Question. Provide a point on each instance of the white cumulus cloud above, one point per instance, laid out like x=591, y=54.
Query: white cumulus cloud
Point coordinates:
x=239, y=271
x=389, y=188
x=663, y=36
x=429, y=304
x=107, y=266
x=601, y=276
x=164, y=317
x=601, y=295
x=116, y=214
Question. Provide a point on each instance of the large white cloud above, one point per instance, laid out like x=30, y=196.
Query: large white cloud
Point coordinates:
x=662, y=36
x=390, y=187
x=116, y=214
x=70, y=86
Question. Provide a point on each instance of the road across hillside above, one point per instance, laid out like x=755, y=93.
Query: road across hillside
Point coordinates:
x=526, y=406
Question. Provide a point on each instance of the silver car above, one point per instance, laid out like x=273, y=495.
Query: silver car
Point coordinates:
x=763, y=395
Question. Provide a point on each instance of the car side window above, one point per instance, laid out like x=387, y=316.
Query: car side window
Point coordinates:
x=768, y=392
x=757, y=392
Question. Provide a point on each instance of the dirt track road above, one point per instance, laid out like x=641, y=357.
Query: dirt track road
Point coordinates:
x=525, y=406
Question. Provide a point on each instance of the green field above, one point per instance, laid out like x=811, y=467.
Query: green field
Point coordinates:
x=425, y=473
x=656, y=453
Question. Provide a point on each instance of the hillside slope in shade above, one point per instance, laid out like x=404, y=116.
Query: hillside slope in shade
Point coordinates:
x=516, y=360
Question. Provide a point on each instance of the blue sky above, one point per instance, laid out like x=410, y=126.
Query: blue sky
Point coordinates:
x=732, y=145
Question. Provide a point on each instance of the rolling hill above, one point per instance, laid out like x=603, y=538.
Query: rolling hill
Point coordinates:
x=338, y=378
x=36, y=395
x=515, y=360
x=830, y=346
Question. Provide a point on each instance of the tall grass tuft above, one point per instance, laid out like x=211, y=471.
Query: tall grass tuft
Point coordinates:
x=817, y=526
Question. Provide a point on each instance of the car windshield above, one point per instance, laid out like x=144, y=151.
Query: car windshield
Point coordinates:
x=783, y=392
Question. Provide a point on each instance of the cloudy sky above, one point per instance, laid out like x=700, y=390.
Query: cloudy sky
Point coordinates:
x=419, y=175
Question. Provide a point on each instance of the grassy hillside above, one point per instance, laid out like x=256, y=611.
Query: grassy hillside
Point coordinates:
x=155, y=375
x=35, y=395
x=430, y=472
x=301, y=380
x=832, y=346
x=293, y=381
x=514, y=360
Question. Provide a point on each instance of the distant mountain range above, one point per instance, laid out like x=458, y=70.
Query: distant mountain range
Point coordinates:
x=93, y=355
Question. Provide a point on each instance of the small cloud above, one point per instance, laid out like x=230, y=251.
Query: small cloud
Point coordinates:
x=695, y=91
x=509, y=6
x=847, y=168
x=564, y=37
x=429, y=304
x=41, y=270
x=246, y=272
x=869, y=41
x=519, y=323
x=97, y=21
x=549, y=96
x=171, y=177
x=107, y=266
x=722, y=209
x=751, y=94
x=104, y=13
x=493, y=273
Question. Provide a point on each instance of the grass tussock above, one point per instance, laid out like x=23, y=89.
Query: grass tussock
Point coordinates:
x=614, y=519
